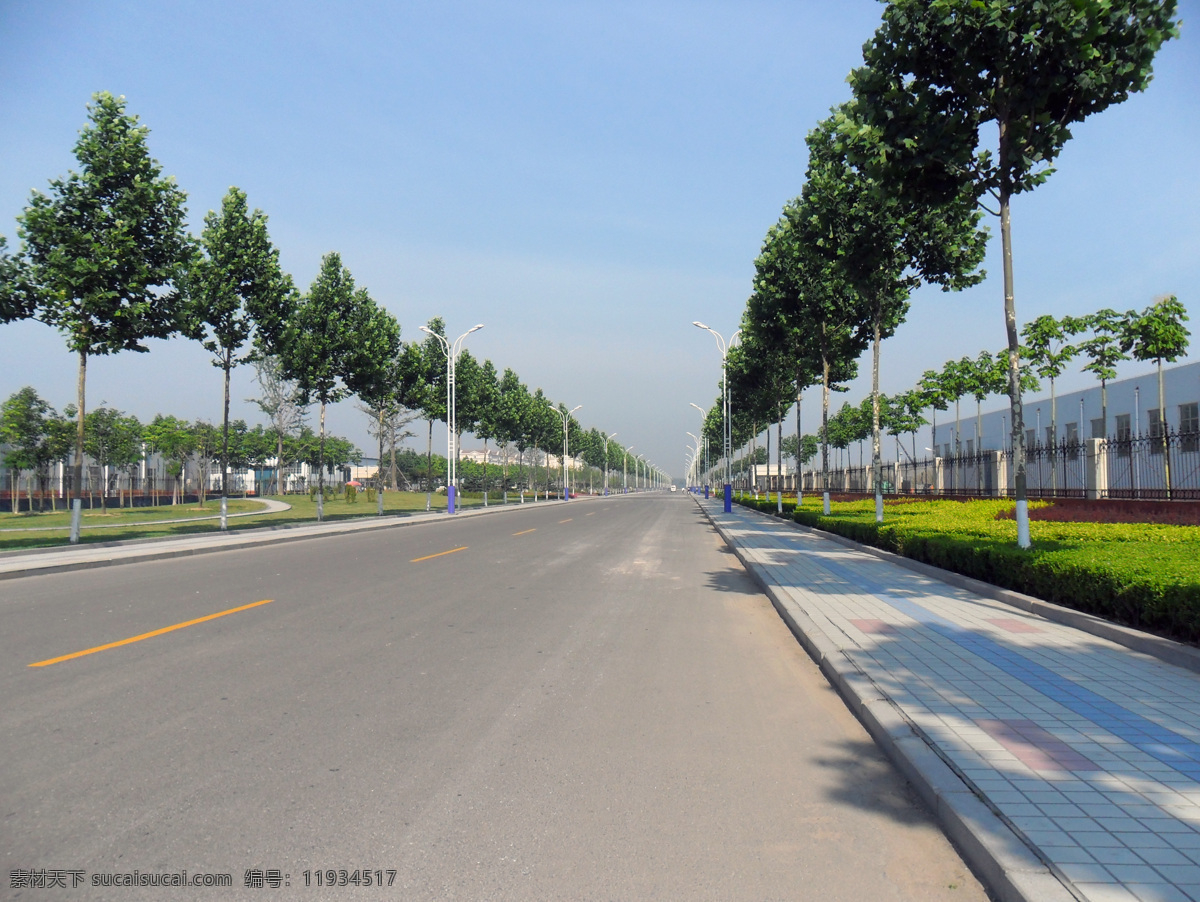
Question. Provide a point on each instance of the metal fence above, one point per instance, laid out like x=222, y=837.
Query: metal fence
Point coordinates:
x=1158, y=466
x=1162, y=467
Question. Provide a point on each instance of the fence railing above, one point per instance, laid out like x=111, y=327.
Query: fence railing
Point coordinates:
x=1162, y=466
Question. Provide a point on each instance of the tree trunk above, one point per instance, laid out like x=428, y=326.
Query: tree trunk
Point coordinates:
x=429, y=466
x=227, y=365
x=321, y=467
x=876, y=454
x=379, y=467
x=799, y=447
x=1162, y=430
x=1014, y=359
x=392, y=455
x=779, y=458
x=979, y=446
x=825, y=429
x=1103, y=408
x=1053, y=439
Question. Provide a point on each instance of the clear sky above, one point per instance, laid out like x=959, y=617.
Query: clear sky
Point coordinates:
x=584, y=178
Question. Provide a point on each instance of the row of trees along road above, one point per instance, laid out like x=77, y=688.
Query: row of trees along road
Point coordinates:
x=105, y=258
x=959, y=106
x=118, y=443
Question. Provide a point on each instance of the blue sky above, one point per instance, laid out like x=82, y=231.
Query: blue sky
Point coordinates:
x=586, y=179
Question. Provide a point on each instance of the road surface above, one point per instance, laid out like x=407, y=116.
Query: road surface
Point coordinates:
x=580, y=701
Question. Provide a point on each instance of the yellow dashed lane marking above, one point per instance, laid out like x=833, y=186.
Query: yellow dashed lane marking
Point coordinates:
x=150, y=635
x=427, y=557
x=524, y=532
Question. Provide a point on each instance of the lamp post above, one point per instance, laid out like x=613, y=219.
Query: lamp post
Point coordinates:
x=625, y=471
x=606, y=441
x=638, y=472
x=695, y=455
x=452, y=352
x=724, y=347
x=702, y=459
x=566, y=416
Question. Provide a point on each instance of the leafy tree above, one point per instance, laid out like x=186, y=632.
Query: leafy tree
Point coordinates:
x=172, y=438
x=544, y=428
x=375, y=372
x=106, y=245
x=1103, y=351
x=938, y=71
x=425, y=378
x=1158, y=333
x=904, y=416
x=484, y=400
x=806, y=444
x=508, y=419
x=956, y=379
x=206, y=449
x=236, y=292
x=813, y=300
x=256, y=447
x=933, y=397
x=1046, y=341
x=470, y=398
x=17, y=300
x=112, y=440
x=884, y=243
x=36, y=435
x=322, y=348
x=282, y=403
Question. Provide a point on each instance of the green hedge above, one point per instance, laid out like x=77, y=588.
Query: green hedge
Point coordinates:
x=1140, y=574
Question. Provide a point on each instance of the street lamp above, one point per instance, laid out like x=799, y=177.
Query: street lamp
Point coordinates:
x=452, y=352
x=724, y=347
x=703, y=417
x=565, y=415
x=696, y=455
x=606, y=441
x=625, y=471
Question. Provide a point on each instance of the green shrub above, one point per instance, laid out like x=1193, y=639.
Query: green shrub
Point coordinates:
x=351, y=494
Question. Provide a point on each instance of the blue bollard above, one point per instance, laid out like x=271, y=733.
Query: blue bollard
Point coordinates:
x=450, y=499
x=728, y=498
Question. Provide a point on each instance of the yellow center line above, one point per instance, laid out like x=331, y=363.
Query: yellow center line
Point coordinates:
x=149, y=635
x=568, y=520
x=427, y=557
x=591, y=513
x=524, y=532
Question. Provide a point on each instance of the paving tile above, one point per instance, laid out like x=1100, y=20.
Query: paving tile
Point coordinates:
x=1091, y=751
x=1143, y=873
x=1161, y=892
x=1164, y=856
x=1087, y=873
x=1106, y=892
x=1180, y=875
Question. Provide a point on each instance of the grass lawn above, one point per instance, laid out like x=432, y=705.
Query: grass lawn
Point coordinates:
x=26, y=530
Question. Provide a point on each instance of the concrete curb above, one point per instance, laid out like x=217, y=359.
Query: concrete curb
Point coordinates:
x=232, y=541
x=998, y=855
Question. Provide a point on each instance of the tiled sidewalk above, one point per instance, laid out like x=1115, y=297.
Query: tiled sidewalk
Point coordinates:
x=1086, y=753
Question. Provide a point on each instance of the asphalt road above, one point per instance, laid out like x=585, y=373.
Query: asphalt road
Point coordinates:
x=583, y=701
